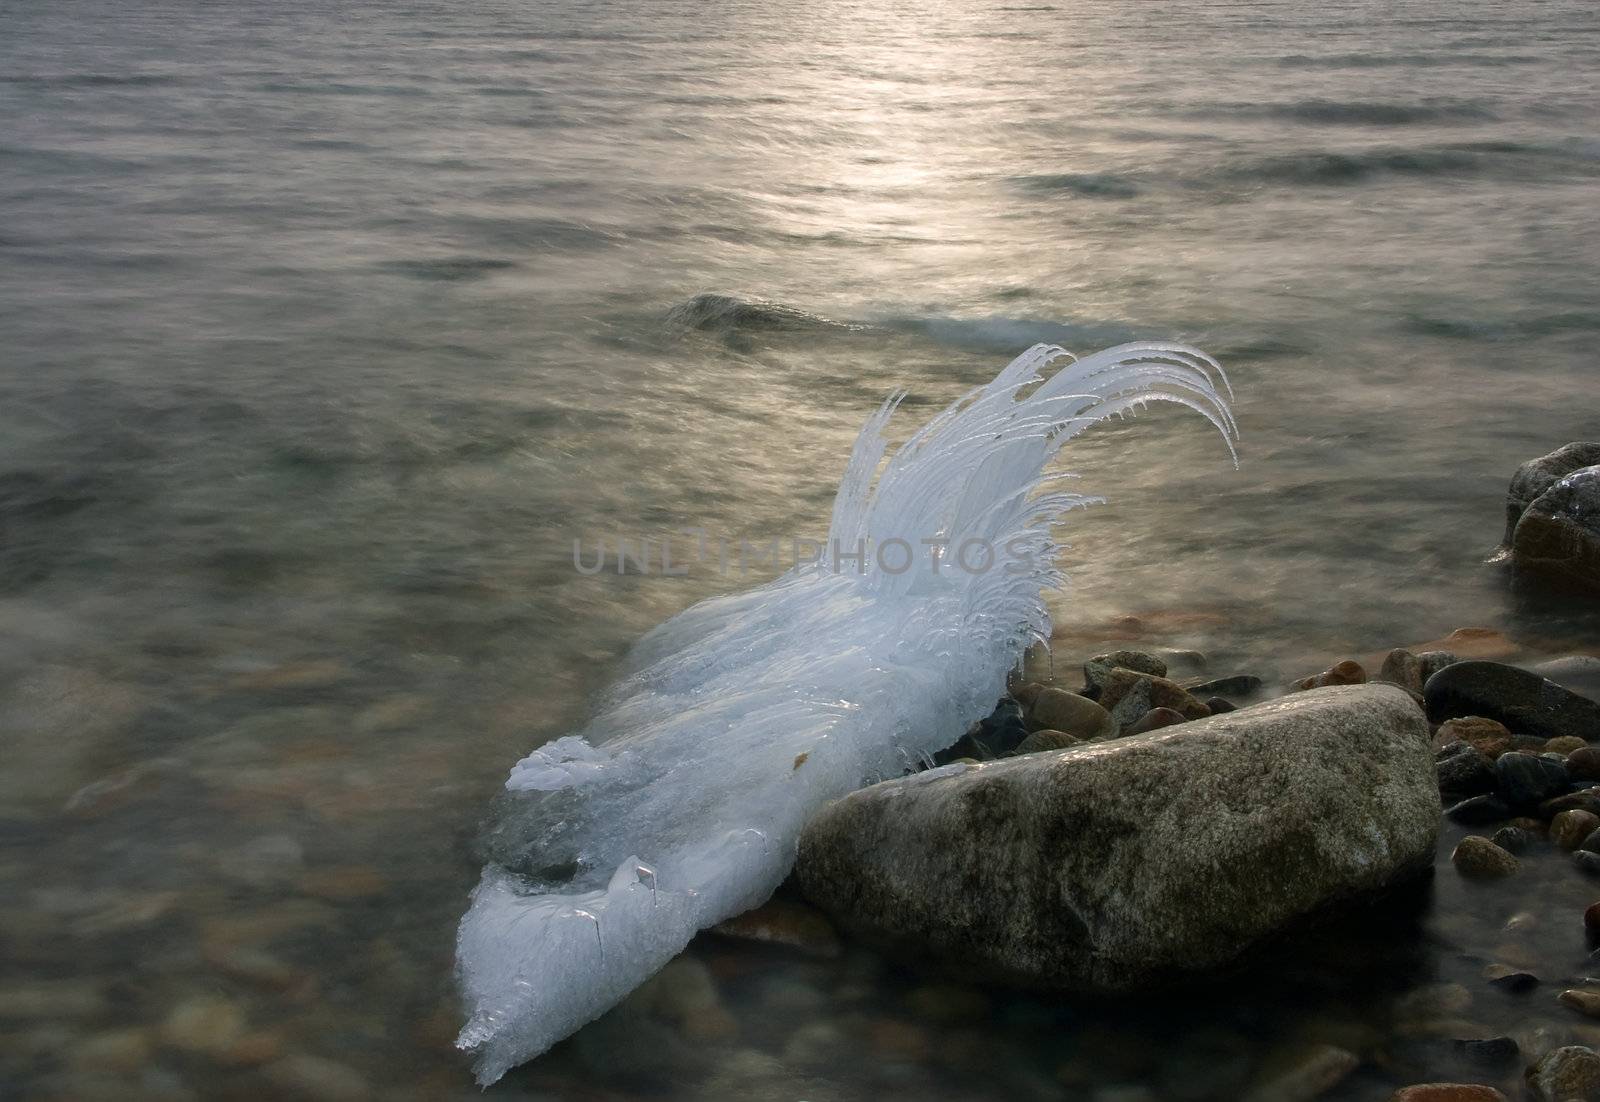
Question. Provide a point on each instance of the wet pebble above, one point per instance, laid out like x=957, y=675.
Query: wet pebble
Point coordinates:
x=1513, y=981
x=1480, y=859
x=1568, y=1073
x=1098, y=669
x=1582, y=1000
x=1487, y=1052
x=1570, y=828
x=1128, y=695
x=1240, y=684
x=1489, y=737
x=1526, y=780
x=1348, y=672
x=1219, y=705
x=1513, y=840
x=1523, y=701
x=1584, y=764
x=1041, y=741
x=1401, y=667
x=1463, y=770
x=1588, y=862
x=1564, y=745
x=1058, y=710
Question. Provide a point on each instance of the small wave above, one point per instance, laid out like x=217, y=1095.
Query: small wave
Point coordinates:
x=998, y=333
x=91, y=80
x=1327, y=112
x=1336, y=168
x=1099, y=185
x=1479, y=328
x=448, y=269
x=1402, y=61
x=727, y=314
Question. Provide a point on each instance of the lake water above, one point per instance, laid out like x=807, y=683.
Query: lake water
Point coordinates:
x=324, y=331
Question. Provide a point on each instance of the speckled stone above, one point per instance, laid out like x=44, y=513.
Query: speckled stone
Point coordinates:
x=1565, y=1074
x=1116, y=870
x=1480, y=859
x=1537, y=476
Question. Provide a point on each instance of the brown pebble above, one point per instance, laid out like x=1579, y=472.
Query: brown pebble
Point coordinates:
x=1564, y=745
x=1348, y=672
x=1447, y=1092
x=1585, y=764
x=1584, y=1002
x=1487, y=736
x=1480, y=859
x=1570, y=828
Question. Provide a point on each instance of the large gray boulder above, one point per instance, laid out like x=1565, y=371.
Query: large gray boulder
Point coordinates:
x=1117, y=865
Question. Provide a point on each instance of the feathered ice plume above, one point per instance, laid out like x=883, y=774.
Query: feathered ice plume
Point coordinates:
x=680, y=805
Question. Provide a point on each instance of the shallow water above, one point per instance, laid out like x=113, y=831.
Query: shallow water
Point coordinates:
x=325, y=331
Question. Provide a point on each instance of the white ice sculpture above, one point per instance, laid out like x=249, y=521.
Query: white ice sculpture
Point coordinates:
x=681, y=803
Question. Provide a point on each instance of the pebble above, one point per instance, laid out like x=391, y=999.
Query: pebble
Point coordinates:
x=1584, y=1002
x=1587, y=799
x=1058, y=710
x=1240, y=684
x=1513, y=840
x=1447, y=1092
x=1041, y=741
x=1584, y=764
x=1565, y=744
x=1218, y=705
x=1591, y=842
x=1477, y=810
x=1487, y=1052
x=1154, y=720
x=1523, y=701
x=1480, y=859
x=1570, y=828
x=203, y=1025
x=1564, y=1074
x=1128, y=695
x=1526, y=780
x=1463, y=770
x=318, y=1079
x=1514, y=981
x=1097, y=669
x=787, y=923
x=1587, y=862
x=1490, y=737
x=1348, y=672
x=1311, y=1073
x=1401, y=667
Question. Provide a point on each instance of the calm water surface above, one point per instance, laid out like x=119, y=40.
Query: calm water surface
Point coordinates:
x=324, y=329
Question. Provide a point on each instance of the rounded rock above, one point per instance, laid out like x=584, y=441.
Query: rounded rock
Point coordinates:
x=1570, y=828
x=1478, y=810
x=1041, y=741
x=1058, y=710
x=1584, y=764
x=1463, y=770
x=1525, y=702
x=1564, y=745
x=1513, y=839
x=1155, y=719
x=1490, y=737
x=1526, y=780
x=1565, y=1074
x=1348, y=672
x=1480, y=859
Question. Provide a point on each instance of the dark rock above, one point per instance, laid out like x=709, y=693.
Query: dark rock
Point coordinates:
x=1591, y=842
x=1240, y=684
x=1464, y=771
x=1480, y=859
x=1523, y=701
x=1098, y=668
x=1479, y=810
x=1578, y=672
x=1559, y=533
x=1515, y=983
x=1537, y=476
x=1154, y=720
x=1570, y=828
x=1219, y=704
x=1490, y=1052
x=1513, y=840
x=1584, y=765
x=1587, y=861
x=1591, y=920
x=1586, y=799
x=1525, y=780
x=1116, y=868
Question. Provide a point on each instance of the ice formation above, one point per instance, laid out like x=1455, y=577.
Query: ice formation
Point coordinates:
x=681, y=803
